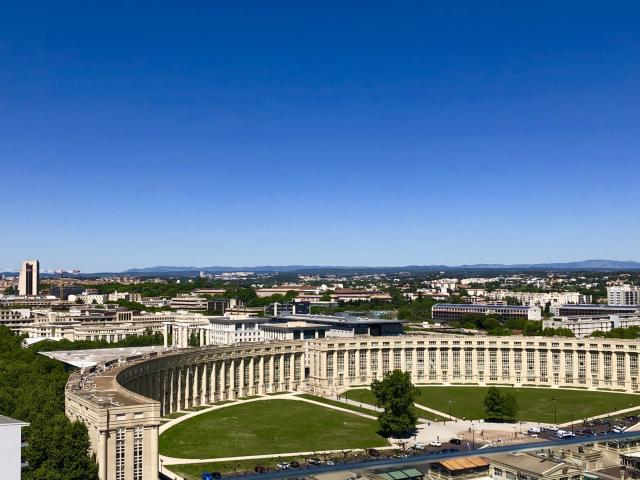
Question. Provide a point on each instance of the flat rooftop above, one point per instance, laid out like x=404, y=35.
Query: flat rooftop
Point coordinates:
x=92, y=357
x=295, y=325
x=331, y=319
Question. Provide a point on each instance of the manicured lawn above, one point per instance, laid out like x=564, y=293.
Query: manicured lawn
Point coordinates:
x=535, y=404
x=335, y=403
x=268, y=426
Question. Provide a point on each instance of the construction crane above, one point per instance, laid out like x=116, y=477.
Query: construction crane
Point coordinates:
x=62, y=272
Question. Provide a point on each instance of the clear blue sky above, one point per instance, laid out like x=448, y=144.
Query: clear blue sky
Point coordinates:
x=354, y=133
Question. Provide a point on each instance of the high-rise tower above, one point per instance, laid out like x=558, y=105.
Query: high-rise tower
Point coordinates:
x=29, y=278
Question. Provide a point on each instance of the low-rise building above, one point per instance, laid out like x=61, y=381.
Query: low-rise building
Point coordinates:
x=464, y=468
x=512, y=466
x=596, y=309
x=585, y=326
x=189, y=302
x=451, y=312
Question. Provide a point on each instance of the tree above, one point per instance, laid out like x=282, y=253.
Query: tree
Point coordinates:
x=500, y=406
x=32, y=389
x=395, y=394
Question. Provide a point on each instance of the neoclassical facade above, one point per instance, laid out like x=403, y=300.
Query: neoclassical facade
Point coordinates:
x=122, y=404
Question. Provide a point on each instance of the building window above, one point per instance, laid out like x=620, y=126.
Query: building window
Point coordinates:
x=137, y=453
x=120, y=454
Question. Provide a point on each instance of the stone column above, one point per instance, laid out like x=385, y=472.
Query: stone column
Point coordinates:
x=627, y=372
x=203, y=385
x=102, y=454
x=201, y=330
x=212, y=382
x=261, y=386
x=165, y=334
x=281, y=384
x=224, y=394
x=179, y=404
x=302, y=369
x=252, y=380
x=272, y=381
x=292, y=371
x=241, y=386
x=187, y=387
x=232, y=380
x=150, y=452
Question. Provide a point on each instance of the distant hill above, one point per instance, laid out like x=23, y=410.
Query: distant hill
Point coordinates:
x=579, y=265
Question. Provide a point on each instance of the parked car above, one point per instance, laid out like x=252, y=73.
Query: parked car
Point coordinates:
x=294, y=464
x=534, y=430
x=435, y=443
x=419, y=446
x=282, y=466
x=455, y=441
x=259, y=469
x=316, y=461
x=373, y=452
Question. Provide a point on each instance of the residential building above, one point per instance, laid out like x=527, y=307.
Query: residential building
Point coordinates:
x=11, y=447
x=584, y=326
x=355, y=295
x=189, y=302
x=520, y=466
x=29, y=281
x=129, y=395
x=623, y=295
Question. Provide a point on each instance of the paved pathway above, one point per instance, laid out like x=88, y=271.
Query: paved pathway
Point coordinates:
x=604, y=415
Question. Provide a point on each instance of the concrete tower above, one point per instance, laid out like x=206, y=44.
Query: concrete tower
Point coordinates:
x=29, y=278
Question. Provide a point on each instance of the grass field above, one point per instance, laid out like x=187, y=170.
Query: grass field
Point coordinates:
x=535, y=404
x=335, y=403
x=269, y=426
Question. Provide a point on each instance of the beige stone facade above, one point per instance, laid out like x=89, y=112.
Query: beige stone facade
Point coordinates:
x=122, y=405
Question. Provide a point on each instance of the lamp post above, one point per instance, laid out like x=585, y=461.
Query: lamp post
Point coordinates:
x=572, y=422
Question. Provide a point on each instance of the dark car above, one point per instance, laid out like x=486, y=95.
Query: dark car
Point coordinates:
x=373, y=452
x=294, y=465
x=455, y=441
x=259, y=469
x=315, y=461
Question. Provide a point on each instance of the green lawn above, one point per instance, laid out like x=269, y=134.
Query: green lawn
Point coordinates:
x=268, y=426
x=535, y=404
x=335, y=403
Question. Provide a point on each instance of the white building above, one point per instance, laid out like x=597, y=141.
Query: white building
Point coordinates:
x=29, y=281
x=90, y=298
x=585, y=326
x=10, y=447
x=623, y=295
x=296, y=330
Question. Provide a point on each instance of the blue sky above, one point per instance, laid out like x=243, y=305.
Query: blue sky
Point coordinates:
x=353, y=133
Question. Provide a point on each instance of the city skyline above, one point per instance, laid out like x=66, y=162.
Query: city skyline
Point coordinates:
x=252, y=134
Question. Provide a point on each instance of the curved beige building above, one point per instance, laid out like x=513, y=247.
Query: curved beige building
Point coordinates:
x=122, y=404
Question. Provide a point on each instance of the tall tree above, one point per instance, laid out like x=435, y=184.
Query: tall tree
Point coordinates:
x=395, y=394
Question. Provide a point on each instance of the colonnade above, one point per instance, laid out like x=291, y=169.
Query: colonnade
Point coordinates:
x=224, y=373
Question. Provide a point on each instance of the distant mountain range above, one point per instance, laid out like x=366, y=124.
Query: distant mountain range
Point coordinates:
x=580, y=265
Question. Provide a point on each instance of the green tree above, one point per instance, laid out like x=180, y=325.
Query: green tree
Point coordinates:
x=32, y=390
x=395, y=394
x=498, y=405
